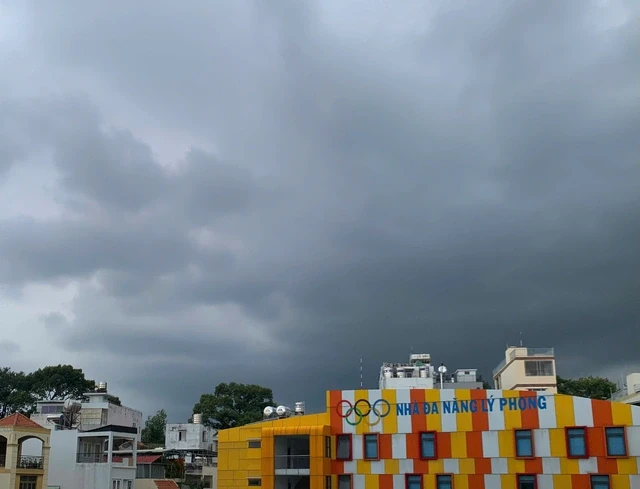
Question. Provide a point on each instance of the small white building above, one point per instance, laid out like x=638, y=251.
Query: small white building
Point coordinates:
x=630, y=391
x=418, y=373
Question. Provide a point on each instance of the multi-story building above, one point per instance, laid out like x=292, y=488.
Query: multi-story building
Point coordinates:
x=18, y=470
x=531, y=369
x=439, y=439
x=630, y=391
x=196, y=445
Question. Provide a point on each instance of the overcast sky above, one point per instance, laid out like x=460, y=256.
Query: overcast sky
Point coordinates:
x=204, y=192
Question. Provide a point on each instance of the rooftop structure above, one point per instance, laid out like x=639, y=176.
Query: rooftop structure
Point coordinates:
x=532, y=369
x=630, y=391
x=417, y=373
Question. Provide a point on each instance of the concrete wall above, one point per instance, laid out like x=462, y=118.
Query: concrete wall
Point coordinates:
x=192, y=437
x=124, y=416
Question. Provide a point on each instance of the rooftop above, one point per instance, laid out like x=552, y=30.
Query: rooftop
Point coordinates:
x=21, y=421
x=523, y=352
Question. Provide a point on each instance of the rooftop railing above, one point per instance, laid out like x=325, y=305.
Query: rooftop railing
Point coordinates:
x=524, y=353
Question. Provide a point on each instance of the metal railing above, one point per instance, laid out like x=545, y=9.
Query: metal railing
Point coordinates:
x=29, y=462
x=91, y=458
x=292, y=462
x=529, y=352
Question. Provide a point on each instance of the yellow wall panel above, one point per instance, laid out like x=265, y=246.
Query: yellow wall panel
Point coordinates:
x=371, y=482
x=569, y=466
x=434, y=421
x=564, y=411
x=392, y=466
x=467, y=466
x=429, y=481
x=363, y=467
x=621, y=414
x=223, y=436
x=390, y=422
x=558, y=442
x=464, y=420
x=506, y=444
x=515, y=466
x=627, y=465
x=620, y=482
x=509, y=480
x=564, y=481
x=512, y=418
x=458, y=445
x=461, y=482
x=436, y=466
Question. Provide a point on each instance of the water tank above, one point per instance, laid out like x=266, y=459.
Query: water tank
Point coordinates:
x=72, y=405
x=102, y=386
x=283, y=411
x=387, y=372
x=269, y=411
x=197, y=418
x=423, y=372
x=299, y=407
x=400, y=373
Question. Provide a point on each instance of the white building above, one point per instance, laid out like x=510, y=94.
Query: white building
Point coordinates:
x=197, y=445
x=531, y=369
x=630, y=392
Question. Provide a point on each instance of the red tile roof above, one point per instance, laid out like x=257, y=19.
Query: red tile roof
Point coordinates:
x=140, y=459
x=20, y=420
x=166, y=484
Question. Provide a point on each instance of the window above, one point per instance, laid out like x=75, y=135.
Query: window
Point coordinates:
x=182, y=435
x=204, y=436
x=526, y=482
x=444, y=482
x=538, y=368
x=616, y=442
x=115, y=484
x=524, y=443
x=577, y=442
x=343, y=447
x=254, y=481
x=371, y=446
x=254, y=444
x=28, y=481
x=327, y=482
x=428, y=445
x=600, y=482
x=344, y=480
x=327, y=446
x=127, y=484
x=413, y=481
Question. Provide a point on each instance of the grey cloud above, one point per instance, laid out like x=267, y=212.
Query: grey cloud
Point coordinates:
x=8, y=347
x=444, y=188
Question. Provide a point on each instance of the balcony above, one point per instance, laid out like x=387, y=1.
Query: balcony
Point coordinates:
x=524, y=353
x=91, y=458
x=29, y=462
x=195, y=468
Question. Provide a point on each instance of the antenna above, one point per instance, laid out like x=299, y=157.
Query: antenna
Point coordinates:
x=361, y=382
x=520, y=338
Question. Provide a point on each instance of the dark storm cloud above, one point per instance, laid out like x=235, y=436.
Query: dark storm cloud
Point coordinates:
x=444, y=190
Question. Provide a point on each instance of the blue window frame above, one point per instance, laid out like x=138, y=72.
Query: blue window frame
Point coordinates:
x=428, y=445
x=600, y=482
x=616, y=442
x=444, y=482
x=413, y=481
x=524, y=443
x=577, y=442
x=371, y=446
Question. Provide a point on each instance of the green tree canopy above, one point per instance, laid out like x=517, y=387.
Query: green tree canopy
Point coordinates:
x=591, y=387
x=59, y=382
x=15, y=393
x=154, y=429
x=233, y=405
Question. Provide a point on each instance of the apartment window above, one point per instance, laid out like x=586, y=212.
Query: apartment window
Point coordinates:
x=254, y=444
x=428, y=445
x=616, y=442
x=327, y=446
x=538, y=368
x=344, y=481
x=444, y=482
x=524, y=443
x=255, y=481
x=182, y=435
x=327, y=482
x=526, y=482
x=371, y=446
x=600, y=482
x=28, y=481
x=127, y=484
x=413, y=481
x=343, y=447
x=115, y=484
x=577, y=442
x=204, y=436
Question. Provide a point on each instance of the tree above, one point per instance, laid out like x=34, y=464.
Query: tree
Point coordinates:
x=233, y=405
x=60, y=382
x=154, y=428
x=15, y=394
x=590, y=387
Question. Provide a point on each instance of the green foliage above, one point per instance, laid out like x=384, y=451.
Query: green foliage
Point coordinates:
x=59, y=382
x=15, y=394
x=154, y=428
x=590, y=387
x=116, y=401
x=485, y=385
x=233, y=405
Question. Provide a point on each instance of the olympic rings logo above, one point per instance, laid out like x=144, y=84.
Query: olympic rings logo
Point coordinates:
x=361, y=409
